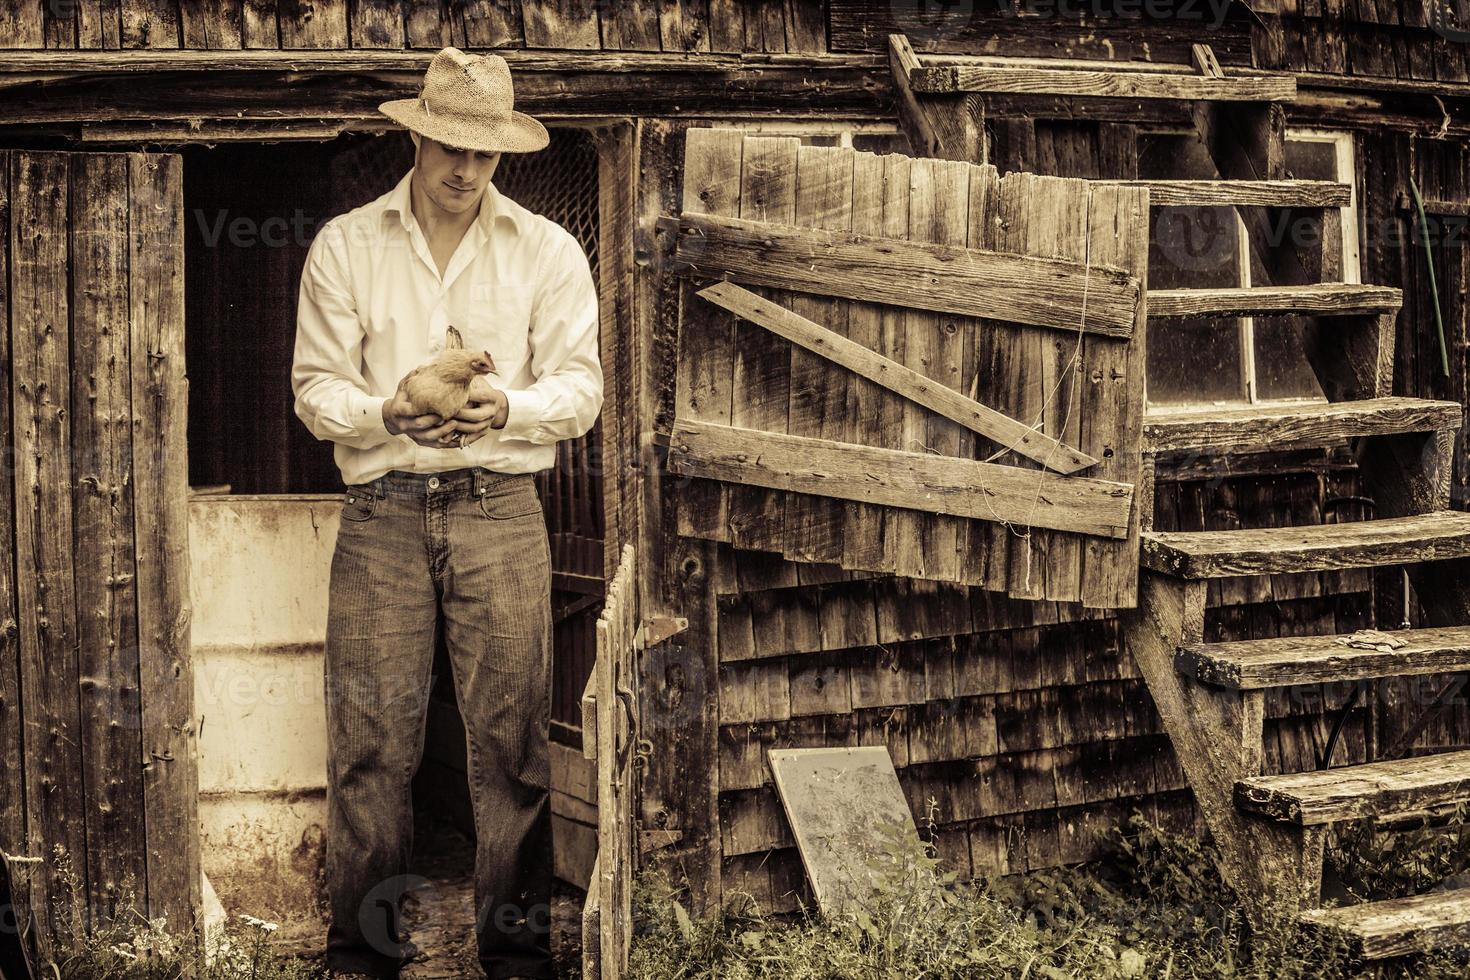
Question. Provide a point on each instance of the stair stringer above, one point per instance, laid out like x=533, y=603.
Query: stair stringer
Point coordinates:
x=1216, y=733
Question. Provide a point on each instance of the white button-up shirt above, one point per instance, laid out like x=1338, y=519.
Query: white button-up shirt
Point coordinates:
x=374, y=307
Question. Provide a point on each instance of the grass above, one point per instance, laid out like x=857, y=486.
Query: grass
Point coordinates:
x=1154, y=907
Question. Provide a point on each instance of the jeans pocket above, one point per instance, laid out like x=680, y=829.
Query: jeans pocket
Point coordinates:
x=359, y=504
x=505, y=505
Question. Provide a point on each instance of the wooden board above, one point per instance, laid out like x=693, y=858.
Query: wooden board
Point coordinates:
x=1026, y=441
x=1361, y=544
x=1101, y=84
x=841, y=803
x=894, y=478
x=940, y=277
x=40, y=344
x=1377, y=789
x=1087, y=387
x=161, y=520
x=1325, y=299
x=1277, y=427
x=1289, y=660
x=617, y=796
x=1400, y=926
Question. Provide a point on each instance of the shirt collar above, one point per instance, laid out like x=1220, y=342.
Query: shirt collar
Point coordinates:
x=493, y=207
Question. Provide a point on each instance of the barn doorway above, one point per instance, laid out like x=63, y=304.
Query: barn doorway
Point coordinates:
x=251, y=211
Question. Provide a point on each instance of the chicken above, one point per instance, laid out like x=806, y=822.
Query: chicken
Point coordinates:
x=442, y=387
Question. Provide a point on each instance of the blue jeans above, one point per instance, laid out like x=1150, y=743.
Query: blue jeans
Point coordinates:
x=463, y=551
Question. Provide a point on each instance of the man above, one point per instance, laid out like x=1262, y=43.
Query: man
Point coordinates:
x=441, y=524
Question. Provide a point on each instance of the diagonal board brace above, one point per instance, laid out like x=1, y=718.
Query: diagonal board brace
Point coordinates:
x=895, y=478
x=901, y=380
x=1002, y=286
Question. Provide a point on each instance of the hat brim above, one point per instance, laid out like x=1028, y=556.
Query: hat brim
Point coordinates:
x=520, y=134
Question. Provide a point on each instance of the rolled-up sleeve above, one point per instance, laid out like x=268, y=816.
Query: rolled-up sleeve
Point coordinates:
x=332, y=397
x=566, y=396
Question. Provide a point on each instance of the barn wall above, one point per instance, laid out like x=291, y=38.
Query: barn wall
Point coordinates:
x=1023, y=728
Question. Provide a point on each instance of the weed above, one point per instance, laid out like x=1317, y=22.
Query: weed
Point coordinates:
x=1154, y=907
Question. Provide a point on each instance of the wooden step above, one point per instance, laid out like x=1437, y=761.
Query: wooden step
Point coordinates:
x=1255, y=664
x=1435, y=536
x=1261, y=428
x=1326, y=796
x=1243, y=193
x=1400, y=926
x=1320, y=299
x=937, y=74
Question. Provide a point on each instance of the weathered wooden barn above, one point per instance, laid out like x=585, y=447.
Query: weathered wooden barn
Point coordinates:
x=1080, y=372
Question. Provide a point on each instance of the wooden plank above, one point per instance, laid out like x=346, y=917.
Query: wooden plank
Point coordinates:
x=727, y=25
x=867, y=405
x=1239, y=193
x=206, y=24
x=762, y=385
x=630, y=27
x=161, y=522
x=941, y=278
x=1109, y=84
x=492, y=23
x=684, y=25
x=947, y=127
x=41, y=391
x=834, y=800
x=942, y=348
x=1376, y=789
x=1268, y=428
x=814, y=526
x=897, y=378
x=1291, y=660
x=916, y=481
x=323, y=24
x=426, y=23
x=1435, y=920
x=149, y=24
x=1322, y=299
x=1112, y=403
x=102, y=511
x=25, y=25
x=704, y=388
x=567, y=24
x=12, y=767
x=377, y=24
x=1361, y=544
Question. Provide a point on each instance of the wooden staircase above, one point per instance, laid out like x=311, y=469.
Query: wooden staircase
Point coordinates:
x=1211, y=696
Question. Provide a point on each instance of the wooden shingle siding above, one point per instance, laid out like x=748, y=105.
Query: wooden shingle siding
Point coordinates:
x=675, y=26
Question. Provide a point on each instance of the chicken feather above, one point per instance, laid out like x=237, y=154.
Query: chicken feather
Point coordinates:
x=442, y=387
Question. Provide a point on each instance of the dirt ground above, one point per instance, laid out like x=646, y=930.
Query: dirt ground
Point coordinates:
x=440, y=916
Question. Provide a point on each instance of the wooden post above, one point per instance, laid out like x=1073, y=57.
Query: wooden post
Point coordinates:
x=107, y=600
x=12, y=771
x=949, y=127
x=1217, y=736
x=161, y=522
x=40, y=345
x=678, y=678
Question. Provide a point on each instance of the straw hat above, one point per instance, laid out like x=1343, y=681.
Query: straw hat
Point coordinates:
x=467, y=102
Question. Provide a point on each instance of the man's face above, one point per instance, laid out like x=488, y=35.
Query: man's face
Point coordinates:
x=454, y=179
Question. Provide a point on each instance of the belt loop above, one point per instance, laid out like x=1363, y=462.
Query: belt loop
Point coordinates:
x=480, y=482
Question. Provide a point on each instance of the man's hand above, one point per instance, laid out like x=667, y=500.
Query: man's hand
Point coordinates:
x=426, y=430
x=487, y=409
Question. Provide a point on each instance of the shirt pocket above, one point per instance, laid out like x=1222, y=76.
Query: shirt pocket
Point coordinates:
x=499, y=321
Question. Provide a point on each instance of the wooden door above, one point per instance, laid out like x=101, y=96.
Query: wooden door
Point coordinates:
x=912, y=366
x=102, y=777
x=610, y=710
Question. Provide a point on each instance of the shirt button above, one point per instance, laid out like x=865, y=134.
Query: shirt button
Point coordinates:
x=433, y=483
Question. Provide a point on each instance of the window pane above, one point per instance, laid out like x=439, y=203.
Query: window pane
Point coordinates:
x=1191, y=361
x=1282, y=371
